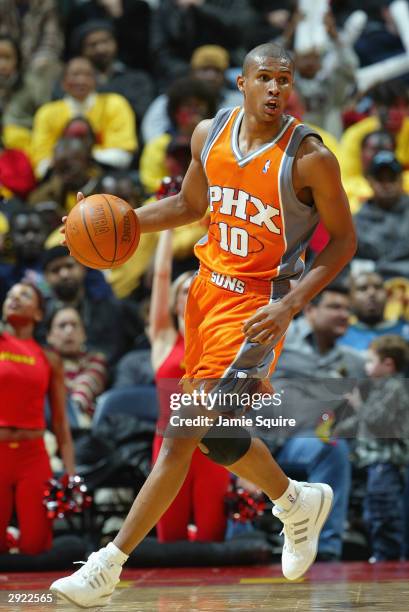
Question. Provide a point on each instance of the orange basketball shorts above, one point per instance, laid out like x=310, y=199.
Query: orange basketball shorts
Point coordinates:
x=216, y=347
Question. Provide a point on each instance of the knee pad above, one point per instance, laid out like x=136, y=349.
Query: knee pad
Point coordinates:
x=227, y=451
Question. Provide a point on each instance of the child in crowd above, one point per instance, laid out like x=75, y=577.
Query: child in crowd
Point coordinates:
x=381, y=423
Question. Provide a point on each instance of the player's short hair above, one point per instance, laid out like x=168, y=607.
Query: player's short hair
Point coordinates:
x=393, y=347
x=267, y=50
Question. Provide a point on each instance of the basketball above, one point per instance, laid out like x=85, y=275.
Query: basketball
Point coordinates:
x=102, y=231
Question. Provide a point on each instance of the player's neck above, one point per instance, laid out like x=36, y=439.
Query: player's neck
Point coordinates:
x=254, y=134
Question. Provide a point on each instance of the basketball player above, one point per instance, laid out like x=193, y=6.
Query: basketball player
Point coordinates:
x=267, y=180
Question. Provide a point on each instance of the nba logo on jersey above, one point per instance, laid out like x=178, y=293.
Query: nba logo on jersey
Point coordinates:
x=266, y=166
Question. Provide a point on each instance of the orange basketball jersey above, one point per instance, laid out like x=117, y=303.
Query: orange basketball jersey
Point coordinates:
x=258, y=228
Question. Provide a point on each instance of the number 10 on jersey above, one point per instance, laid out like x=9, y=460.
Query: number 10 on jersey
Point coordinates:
x=234, y=240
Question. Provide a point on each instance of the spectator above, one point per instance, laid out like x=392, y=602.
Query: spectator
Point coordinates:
x=80, y=128
x=381, y=427
x=324, y=81
x=110, y=115
x=380, y=39
x=201, y=498
x=131, y=20
x=208, y=63
x=27, y=375
x=382, y=223
x=85, y=372
x=96, y=41
x=51, y=214
x=357, y=187
x=72, y=170
x=389, y=106
x=190, y=101
x=368, y=302
x=96, y=305
x=10, y=69
x=27, y=233
x=271, y=21
x=36, y=24
x=179, y=26
x=16, y=174
x=311, y=355
x=123, y=183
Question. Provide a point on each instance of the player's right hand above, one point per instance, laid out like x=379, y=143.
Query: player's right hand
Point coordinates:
x=80, y=196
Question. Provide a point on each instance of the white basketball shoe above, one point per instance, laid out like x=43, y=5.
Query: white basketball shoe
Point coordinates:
x=302, y=527
x=93, y=584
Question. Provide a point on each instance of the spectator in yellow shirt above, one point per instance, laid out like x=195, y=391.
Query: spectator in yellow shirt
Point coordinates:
x=357, y=187
x=390, y=112
x=110, y=116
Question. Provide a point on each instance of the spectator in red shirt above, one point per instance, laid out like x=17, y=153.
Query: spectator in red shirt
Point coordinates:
x=16, y=173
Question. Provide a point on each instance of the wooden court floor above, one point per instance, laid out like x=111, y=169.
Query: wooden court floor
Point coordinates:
x=327, y=587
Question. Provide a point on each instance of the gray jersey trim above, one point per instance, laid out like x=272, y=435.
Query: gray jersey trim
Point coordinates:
x=299, y=219
x=243, y=160
x=219, y=123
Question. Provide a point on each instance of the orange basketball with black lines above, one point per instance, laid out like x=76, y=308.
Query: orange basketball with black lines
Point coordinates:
x=102, y=231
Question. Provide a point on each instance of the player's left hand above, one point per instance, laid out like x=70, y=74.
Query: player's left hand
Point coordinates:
x=267, y=323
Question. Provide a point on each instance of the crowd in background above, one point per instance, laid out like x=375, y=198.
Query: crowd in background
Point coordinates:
x=104, y=95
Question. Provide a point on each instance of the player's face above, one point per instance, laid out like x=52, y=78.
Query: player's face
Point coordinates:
x=266, y=87
x=21, y=305
x=67, y=333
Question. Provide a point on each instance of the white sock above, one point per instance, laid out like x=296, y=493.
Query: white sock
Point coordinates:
x=289, y=497
x=115, y=554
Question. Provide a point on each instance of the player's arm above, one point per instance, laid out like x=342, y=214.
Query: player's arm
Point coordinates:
x=318, y=169
x=316, y=172
x=191, y=203
x=187, y=206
